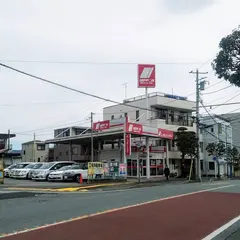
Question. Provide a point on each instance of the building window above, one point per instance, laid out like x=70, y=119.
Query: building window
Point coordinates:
x=201, y=147
x=24, y=152
x=164, y=142
x=212, y=129
x=112, y=117
x=201, y=162
x=211, y=166
x=219, y=128
x=137, y=115
x=38, y=159
x=40, y=147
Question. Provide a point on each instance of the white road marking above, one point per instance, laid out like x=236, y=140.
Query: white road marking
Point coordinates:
x=110, y=211
x=221, y=229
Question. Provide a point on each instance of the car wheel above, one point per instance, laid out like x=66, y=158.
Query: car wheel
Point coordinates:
x=47, y=178
x=77, y=178
x=27, y=177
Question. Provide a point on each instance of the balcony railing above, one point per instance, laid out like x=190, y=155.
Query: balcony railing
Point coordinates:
x=169, y=121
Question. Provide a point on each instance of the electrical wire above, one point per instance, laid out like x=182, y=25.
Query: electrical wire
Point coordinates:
x=82, y=92
x=217, y=90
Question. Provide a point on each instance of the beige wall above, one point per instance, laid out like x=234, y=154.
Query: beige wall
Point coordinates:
x=28, y=153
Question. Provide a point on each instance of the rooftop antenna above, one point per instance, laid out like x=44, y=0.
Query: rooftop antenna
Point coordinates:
x=125, y=86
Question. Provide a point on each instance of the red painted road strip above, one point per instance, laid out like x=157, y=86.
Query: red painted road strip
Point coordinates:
x=186, y=218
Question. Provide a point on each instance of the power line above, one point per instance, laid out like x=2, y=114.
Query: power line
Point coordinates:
x=217, y=90
x=221, y=104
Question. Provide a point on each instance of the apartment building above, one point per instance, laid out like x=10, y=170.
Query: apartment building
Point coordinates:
x=35, y=151
x=168, y=112
x=214, y=130
x=71, y=152
x=234, y=119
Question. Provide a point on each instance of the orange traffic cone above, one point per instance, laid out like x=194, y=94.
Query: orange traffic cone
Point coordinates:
x=80, y=179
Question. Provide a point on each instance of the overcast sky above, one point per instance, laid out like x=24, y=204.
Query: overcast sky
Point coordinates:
x=136, y=31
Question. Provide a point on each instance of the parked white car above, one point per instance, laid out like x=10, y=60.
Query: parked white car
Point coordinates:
x=58, y=175
x=14, y=171
x=24, y=173
x=7, y=170
x=43, y=172
x=75, y=171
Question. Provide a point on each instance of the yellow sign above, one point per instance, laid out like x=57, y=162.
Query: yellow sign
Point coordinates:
x=95, y=168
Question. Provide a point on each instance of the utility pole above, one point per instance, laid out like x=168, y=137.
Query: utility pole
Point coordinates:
x=33, y=150
x=92, y=137
x=199, y=86
x=125, y=85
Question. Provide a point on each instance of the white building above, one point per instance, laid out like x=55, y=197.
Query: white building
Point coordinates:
x=214, y=130
x=167, y=112
x=35, y=151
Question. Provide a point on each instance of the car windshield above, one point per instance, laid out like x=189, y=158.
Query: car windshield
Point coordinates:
x=65, y=168
x=46, y=166
x=38, y=165
x=31, y=166
x=11, y=167
x=21, y=165
x=77, y=166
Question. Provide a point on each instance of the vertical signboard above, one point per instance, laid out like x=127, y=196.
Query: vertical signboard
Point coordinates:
x=128, y=146
x=122, y=170
x=146, y=76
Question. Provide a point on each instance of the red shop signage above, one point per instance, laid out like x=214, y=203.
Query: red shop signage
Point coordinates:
x=128, y=144
x=163, y=133
x=103, y=125
x=134, y=128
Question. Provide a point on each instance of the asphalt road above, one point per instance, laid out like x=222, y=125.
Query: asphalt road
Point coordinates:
x=24, y=213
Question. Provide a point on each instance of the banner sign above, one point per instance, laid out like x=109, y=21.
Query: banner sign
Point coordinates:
x=95, y=168
x=163, y=133
x=146, y=76
x=134, y=128
x=122, y=170
x=128, y=144
x=103, y=125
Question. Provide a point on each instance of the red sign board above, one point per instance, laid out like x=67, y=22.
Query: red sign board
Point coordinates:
x=103, y=125
x=128, y=144
x=134, y=128
x=146, y=76
x=163, y=133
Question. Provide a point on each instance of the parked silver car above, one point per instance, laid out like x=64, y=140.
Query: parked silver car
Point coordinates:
x=43, y=172
x=7, y=170
x=24, y=173
x=18, y=168
x=58, y=174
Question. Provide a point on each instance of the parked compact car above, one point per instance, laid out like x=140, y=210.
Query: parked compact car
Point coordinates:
x=35, y=167
x=18, y=168
x=43, y=172
x=75, y=171
x=24, y=173
x=58, y=174
x=7, y=170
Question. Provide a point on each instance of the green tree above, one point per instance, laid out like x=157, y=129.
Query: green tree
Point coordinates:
x=227, y=62
x=233, y=156
x=218, y=150
x=187, y=143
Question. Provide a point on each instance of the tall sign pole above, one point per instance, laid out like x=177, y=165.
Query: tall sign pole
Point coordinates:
x=146, y=79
